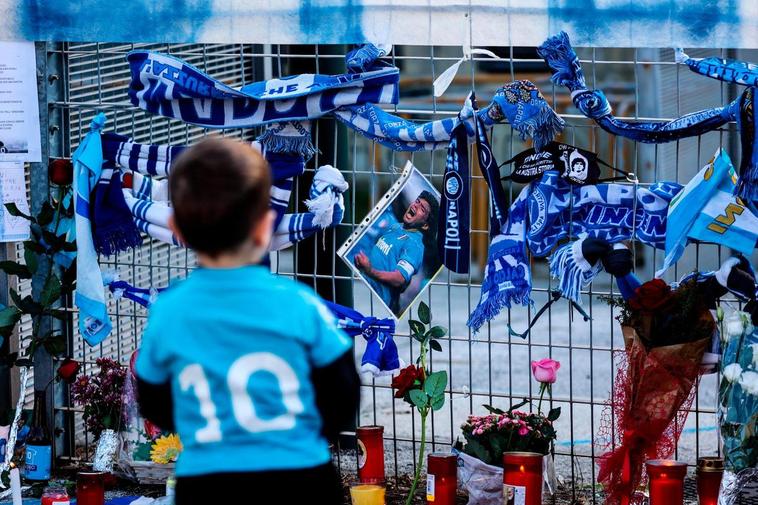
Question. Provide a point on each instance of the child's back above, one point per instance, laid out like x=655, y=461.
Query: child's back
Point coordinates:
x=256, y=368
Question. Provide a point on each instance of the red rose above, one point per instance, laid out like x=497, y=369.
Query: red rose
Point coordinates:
x=61, y=172
x=404, y=381
x=68, y=370
x=652, y=296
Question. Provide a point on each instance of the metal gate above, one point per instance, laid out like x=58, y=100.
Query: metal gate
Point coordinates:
x=488, y=368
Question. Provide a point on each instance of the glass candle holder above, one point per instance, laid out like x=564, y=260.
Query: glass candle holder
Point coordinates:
x=666, y=481
x=370, y=453
x=441, y=478
x=709, y=474
x=90, y=488
x=522, y=478
x=367, y=494
x=54, y=496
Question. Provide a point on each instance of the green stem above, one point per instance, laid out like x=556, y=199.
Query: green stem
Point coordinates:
x=543, y=386
x=420, y=462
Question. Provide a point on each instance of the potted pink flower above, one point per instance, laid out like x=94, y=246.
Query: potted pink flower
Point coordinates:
x=490, y=437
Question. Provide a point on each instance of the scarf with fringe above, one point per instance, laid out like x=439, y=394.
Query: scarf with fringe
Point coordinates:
x=552, y=209
x=560, y=56
x=166, y=86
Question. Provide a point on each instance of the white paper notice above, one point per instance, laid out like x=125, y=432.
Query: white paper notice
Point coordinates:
x=19, y=109
x=13, y=190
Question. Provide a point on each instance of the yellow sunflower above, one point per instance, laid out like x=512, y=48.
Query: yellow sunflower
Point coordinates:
x=166, y=449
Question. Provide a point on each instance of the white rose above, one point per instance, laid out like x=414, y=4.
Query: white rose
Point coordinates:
x=749, y=382
x=732, y=372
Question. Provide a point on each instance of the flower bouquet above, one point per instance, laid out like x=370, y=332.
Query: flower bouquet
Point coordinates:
x=666, y=331
x=489, y=436
x=738, y=404
x=100, y=395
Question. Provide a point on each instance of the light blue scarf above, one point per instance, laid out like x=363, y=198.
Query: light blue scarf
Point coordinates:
x=94, y=324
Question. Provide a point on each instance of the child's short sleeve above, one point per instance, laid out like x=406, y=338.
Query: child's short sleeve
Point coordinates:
x=329, y=342
x=152, y=359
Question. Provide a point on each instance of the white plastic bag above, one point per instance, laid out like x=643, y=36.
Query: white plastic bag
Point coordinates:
x=482, y=482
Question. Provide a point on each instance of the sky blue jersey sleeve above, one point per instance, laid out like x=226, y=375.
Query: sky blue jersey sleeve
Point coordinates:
x=411, y=259
x=329, y=342
x=152, y=359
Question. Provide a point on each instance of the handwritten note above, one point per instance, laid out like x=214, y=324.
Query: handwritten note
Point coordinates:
x=13, y=190
x=19, y=106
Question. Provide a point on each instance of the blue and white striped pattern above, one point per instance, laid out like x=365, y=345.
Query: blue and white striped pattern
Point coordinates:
x=167, y=86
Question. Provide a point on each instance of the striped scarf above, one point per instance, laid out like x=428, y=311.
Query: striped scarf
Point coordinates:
x=552, y=209
x=380, y=357
x=560, y=56
x=166, y=86
x=147, y=197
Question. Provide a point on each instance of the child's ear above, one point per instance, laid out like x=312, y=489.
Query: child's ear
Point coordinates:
x=263, y=229
x=175, y=229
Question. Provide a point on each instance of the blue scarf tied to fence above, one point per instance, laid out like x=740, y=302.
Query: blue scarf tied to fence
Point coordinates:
x=552, y=209
x=560, y=56
x=167, y=86
x=380, y=357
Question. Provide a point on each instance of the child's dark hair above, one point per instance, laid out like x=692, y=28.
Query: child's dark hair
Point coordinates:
x=219, y=188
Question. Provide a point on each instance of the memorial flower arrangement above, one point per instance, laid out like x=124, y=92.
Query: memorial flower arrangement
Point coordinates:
x=418, y=386
x=489, y=436
x=166, y=449
x=666, y=332
x=738, y=393
x=100, y=395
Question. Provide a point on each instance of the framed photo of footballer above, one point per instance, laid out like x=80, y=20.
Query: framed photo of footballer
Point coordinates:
x=394, y=249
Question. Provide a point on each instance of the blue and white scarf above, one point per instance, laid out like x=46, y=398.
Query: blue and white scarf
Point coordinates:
x=560, y=56
x=147, y=199
x=380, y=357
x=167, y=86
x=723, y=69
x=520, y=103
x=706, y=210
x=94, y=323
x=550, y=210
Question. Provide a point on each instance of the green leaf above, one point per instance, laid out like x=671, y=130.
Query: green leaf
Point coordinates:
x=493, y=410
x=69, y=246
x=554, y=414
x=417, y=329
x=15, y=297
x=58, y=314
x=519, y=404
x=55, y=345
x=17, y=269
x=51, y=292
x=28, y=305
x=437, y=332
x=418, y=397
x=13, y=211
x=435, y=345
x=46, y=214
x=424, y=313
x=30, y=258
x=9, y=316
x=438, y=401
x=434, y=385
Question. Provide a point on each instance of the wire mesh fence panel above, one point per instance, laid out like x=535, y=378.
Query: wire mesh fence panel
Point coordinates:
x=489, y=367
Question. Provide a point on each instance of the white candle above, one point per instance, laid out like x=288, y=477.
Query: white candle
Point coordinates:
x=16, y=486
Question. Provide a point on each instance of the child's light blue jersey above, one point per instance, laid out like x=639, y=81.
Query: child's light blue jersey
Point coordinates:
x=239, y=346
x=396, y=249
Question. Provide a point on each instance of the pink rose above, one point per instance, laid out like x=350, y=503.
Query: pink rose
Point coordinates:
x=523, y=431
x=545, y=370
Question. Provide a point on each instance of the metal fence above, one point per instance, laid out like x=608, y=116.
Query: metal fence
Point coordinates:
x=487, y=368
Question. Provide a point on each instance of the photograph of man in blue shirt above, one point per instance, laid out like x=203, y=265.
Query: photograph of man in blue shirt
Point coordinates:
x=398, y=252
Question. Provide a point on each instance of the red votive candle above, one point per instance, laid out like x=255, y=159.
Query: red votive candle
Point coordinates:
x=666, y=481
x=370, y=454
x=441, y=478
x=90, y=489
x=522, y=478
x=709, y=474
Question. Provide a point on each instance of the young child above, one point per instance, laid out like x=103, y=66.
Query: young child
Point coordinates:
x=249, y=368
